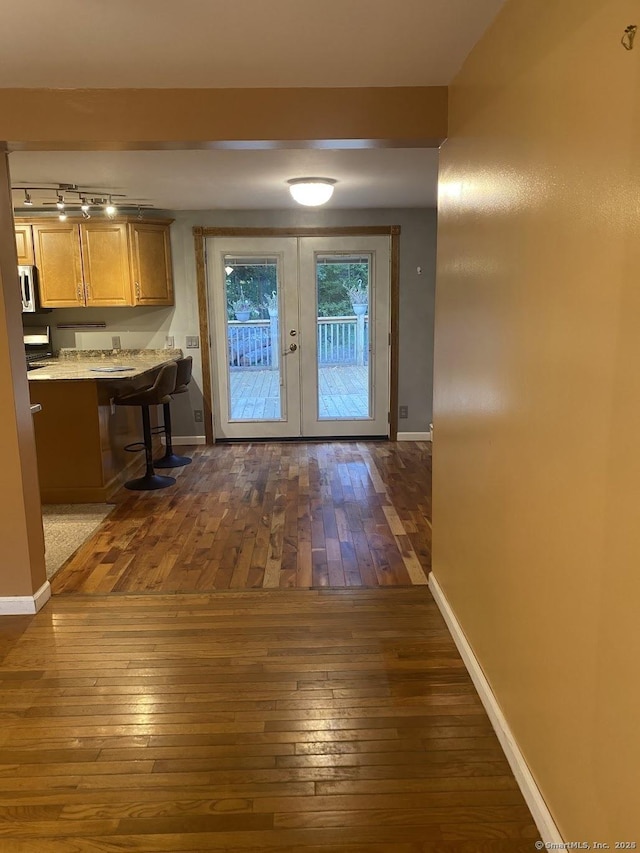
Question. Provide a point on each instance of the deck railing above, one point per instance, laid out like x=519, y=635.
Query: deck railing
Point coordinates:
x=340, y=340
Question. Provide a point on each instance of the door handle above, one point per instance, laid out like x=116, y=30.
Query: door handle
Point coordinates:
x=292, y=348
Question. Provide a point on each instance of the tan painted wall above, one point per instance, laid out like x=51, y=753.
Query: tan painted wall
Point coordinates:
x=22, y=570
x=537, y=394
x=191, y=118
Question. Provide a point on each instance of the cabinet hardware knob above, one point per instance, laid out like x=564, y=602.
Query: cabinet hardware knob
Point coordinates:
x=138, y=289
x=79, y=293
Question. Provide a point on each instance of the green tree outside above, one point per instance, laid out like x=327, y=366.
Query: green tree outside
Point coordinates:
x=258, y=281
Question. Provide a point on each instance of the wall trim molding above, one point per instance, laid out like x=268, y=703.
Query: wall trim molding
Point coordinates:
x=14, y=605
x=527, y=784
x=414, y=436
x=182, y=440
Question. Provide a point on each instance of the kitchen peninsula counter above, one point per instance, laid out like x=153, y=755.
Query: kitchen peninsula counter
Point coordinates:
x=80, y=433
x=102, y=364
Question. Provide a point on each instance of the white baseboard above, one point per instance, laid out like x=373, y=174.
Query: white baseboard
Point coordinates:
x=414, y=436
x=527, y=784
x=14, y=605
x=181, y=440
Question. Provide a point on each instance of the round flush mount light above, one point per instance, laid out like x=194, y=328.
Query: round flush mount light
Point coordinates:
x=311, y=191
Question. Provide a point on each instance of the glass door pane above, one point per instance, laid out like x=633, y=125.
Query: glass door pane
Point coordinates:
x=252, y=298
x=344, y=335
x=343, y=364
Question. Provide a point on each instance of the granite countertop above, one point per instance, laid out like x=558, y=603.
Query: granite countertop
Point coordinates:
x=103, y=364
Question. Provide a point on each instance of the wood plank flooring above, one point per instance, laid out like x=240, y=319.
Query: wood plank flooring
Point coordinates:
x=285, y=514
x=296, y=721
x=343, y=392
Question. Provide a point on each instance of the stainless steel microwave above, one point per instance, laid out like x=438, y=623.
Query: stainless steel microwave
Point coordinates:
x=28, y=276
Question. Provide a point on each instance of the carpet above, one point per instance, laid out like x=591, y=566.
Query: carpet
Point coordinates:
x=66, y=527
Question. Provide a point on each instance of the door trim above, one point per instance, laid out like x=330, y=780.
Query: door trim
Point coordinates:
x=200, y=233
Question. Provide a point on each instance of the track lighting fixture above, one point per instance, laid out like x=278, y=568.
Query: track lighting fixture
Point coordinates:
x=110, y=209
x=70, y=199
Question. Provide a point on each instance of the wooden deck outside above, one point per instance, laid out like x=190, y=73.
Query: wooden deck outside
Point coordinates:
x=296, y=721
x=344, y=393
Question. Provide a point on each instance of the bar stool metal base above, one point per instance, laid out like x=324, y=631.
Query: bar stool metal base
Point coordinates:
x=170, y=460
x=149, y=483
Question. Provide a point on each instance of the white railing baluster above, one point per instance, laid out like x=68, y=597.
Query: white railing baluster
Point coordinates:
x=340, y=340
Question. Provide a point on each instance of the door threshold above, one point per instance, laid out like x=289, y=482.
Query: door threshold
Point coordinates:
x=303, y=438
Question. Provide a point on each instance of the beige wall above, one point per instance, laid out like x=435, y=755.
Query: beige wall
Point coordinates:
x=192, y=118
x=22, y=570
x=537, y=395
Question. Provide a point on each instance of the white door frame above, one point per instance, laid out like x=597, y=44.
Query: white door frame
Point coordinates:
x=378, y=247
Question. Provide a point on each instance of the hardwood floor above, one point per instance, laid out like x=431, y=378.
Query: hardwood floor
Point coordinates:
x=296, y=721
x=287, y=514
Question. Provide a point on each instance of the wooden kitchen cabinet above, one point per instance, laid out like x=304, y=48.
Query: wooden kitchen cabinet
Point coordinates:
x=151, y=269
x=103, y=262
x=59, y=262
x=24, y=244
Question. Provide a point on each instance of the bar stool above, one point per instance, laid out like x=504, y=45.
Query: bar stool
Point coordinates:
x=153, y=395
x=183, y=378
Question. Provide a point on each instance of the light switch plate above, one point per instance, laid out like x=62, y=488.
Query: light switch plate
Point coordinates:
x=193, y=342
x=115, y=342
x=169, y=342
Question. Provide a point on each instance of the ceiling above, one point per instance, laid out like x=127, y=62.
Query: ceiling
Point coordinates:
x=237, y=43
x=224, y=180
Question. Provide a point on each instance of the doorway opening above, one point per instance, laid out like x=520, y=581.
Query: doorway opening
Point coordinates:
x=301, y=329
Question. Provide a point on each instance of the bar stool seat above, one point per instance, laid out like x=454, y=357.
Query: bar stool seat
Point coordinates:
x=183, y=378
x=153, y=395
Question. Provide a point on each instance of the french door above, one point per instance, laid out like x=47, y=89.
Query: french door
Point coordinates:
x=301, y=336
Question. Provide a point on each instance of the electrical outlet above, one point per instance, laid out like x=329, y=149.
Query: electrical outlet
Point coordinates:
x=169, y=342
x=115, y=342
x=193, y=342
x=197, y=416
x=403, y=412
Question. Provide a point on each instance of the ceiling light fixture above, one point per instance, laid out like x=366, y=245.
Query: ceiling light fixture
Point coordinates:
x=73, y=200
x=311, y=191
x=110, y=208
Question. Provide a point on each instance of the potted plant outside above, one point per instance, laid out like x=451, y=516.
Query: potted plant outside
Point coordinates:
x=358, y=296
x=242, y=307
x=271, y=304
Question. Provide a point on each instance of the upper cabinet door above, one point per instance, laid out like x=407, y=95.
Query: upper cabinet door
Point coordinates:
x=105, y=259
x=24, y=244
x=151, y=263
x=57, y=256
